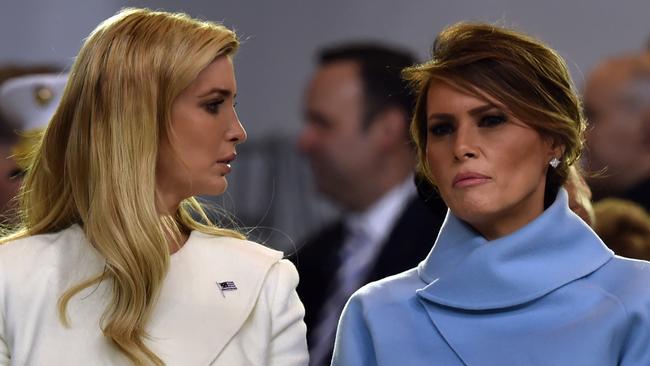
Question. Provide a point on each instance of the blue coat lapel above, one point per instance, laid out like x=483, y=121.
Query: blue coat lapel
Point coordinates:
x=478, y=292
x=466, y=271
x=547, y=334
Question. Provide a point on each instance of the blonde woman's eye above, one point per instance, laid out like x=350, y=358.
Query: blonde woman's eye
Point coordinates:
x=213, y=106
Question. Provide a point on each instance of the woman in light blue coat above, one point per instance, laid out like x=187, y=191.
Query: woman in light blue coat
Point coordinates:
x=514, y=277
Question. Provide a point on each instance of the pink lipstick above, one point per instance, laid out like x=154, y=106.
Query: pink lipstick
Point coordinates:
x=469, y=179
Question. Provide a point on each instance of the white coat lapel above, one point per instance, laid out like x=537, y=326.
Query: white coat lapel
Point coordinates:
x=211, y=289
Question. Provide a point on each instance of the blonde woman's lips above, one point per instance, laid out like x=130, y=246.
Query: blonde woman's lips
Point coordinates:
x=227, y=161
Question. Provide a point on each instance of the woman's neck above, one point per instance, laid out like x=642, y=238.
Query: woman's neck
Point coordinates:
x=177, y=241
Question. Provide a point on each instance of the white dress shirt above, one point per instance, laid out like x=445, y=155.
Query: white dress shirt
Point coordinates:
x=366, y=234
x=376, y=223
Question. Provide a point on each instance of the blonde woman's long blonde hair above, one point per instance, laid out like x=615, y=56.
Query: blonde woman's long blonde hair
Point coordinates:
x=96, y=163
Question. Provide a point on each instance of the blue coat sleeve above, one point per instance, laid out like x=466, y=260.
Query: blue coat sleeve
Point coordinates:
x=353, y=344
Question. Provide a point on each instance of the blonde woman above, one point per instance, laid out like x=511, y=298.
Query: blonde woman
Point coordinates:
x=109, y=266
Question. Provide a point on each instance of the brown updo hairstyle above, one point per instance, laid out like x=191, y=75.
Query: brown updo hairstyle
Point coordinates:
x=529, y=78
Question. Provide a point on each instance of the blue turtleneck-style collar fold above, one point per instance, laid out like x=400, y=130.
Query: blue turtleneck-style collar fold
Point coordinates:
x=466, y=271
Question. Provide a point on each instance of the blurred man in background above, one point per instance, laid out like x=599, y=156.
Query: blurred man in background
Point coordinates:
x=617, y=104
x=356, y=138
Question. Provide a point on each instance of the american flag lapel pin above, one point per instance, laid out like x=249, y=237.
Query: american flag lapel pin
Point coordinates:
x=226, y=286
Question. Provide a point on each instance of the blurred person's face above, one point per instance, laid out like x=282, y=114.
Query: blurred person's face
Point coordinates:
x=10, y=179
x=615, y=137
x=341, y=153
x=205, y=131
x=490, y=167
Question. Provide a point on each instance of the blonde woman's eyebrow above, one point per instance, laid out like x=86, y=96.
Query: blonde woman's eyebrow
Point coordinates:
x=220, y=91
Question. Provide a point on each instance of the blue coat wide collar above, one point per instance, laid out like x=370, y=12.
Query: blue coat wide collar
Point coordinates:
x=466, y=271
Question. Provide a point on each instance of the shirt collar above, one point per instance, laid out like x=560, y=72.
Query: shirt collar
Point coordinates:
x=378, y=220
x=465, y=270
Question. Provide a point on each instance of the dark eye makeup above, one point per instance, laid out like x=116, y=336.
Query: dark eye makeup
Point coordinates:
x=441, y=128
x=447, y=127
x=16, y=173
x=492, y=120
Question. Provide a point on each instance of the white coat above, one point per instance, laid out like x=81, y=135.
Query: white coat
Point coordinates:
x=194, y=322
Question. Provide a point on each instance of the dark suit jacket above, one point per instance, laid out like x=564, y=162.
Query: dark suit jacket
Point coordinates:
x=408, y=243
x=639, y=194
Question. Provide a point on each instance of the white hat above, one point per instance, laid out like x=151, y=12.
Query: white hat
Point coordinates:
x=28, y=102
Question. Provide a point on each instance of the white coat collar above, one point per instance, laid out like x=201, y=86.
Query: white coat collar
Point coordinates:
x=214, y=316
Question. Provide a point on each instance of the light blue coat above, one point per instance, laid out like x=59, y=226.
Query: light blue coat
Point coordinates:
x=551, y=293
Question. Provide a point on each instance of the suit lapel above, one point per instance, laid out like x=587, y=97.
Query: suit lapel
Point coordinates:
x=410, y=240
x=317, y=262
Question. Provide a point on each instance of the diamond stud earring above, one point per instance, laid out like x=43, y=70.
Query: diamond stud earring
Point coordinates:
x=554, y=162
